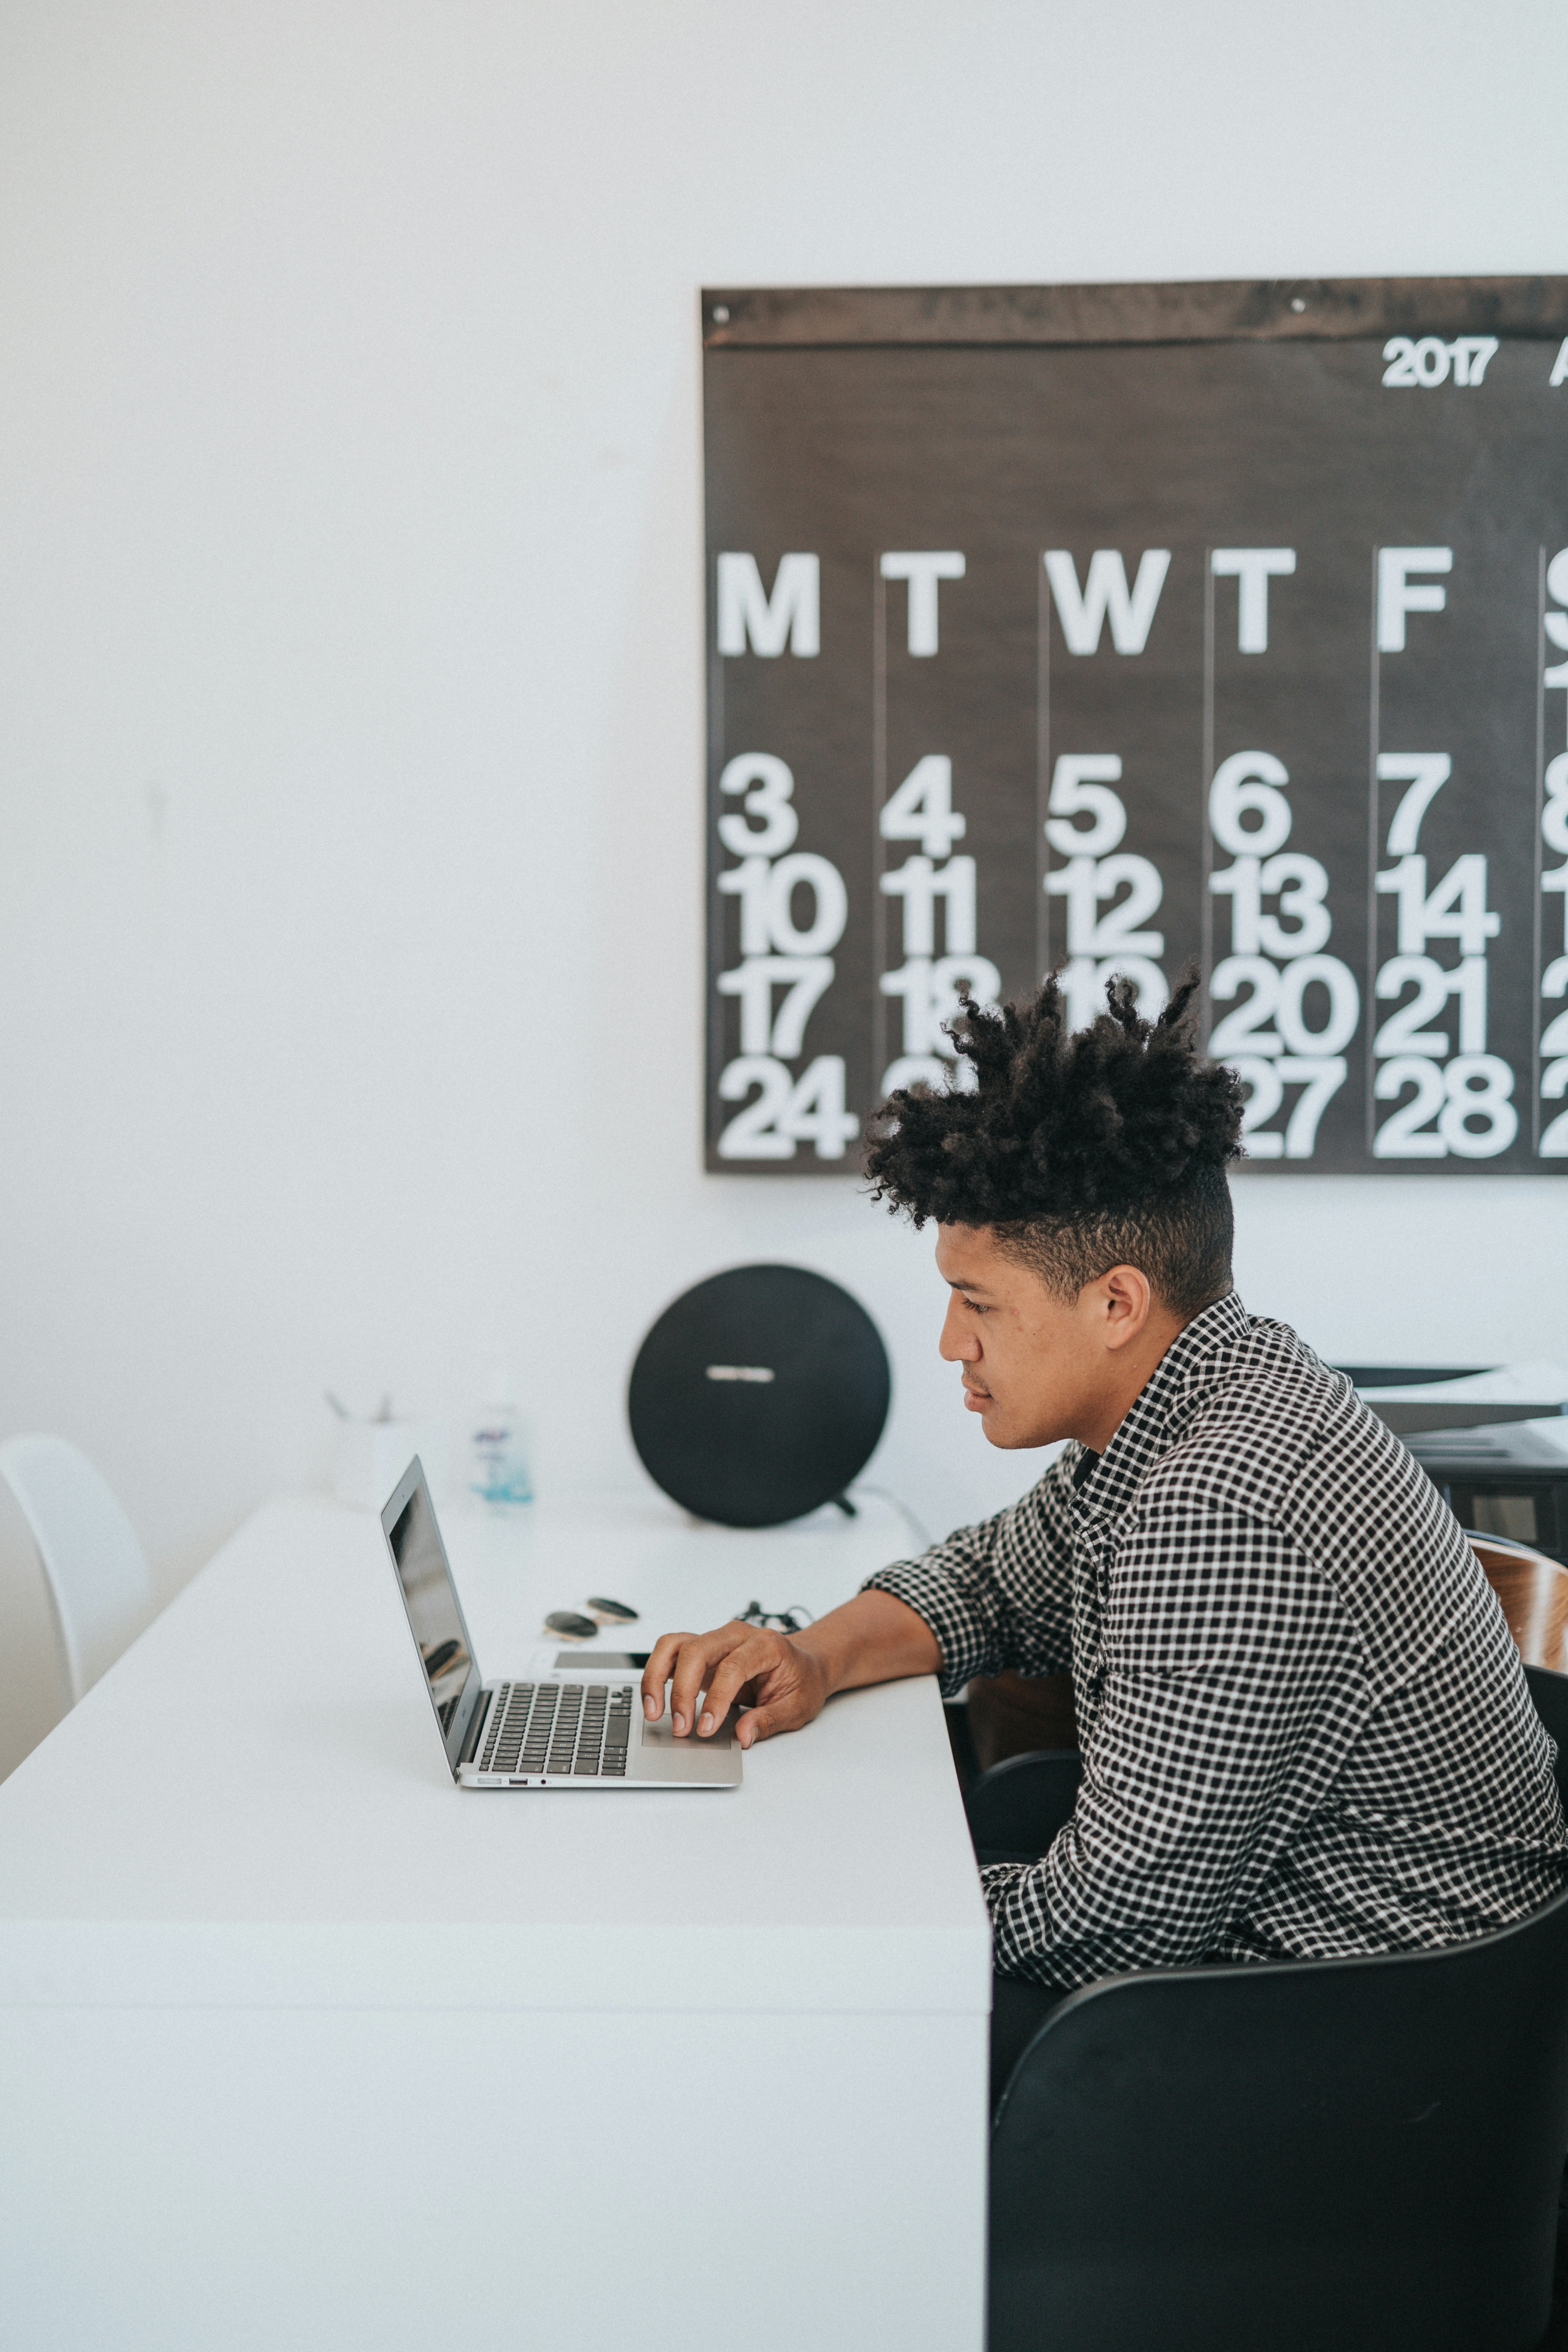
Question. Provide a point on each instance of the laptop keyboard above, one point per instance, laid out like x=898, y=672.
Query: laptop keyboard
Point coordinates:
x=579, y=1731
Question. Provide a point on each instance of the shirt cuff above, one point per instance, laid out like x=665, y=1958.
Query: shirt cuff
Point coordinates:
x=1016, y=1923
x=957, y=1628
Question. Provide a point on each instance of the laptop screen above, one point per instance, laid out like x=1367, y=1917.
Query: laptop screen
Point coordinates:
x=430, y=1599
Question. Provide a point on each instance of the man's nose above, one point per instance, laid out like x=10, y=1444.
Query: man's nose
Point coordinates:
x=957, y=1345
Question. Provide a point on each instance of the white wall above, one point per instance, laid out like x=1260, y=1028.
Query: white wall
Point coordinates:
x=350, y=664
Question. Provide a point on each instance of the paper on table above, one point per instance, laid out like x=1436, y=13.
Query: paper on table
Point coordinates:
x=1529, y=1383
x=1552, y=1432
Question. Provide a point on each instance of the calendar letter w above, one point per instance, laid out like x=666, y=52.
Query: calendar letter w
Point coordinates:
x=1083, y=611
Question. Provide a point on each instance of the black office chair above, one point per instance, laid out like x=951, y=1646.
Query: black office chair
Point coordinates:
x=1015, y=1809
x=1341, y=2155
x=1356, y=2156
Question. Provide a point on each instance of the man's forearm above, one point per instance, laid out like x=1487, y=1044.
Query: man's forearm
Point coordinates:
x=872, y=1638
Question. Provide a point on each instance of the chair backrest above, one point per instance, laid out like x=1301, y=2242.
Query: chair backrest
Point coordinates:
x=1357, y=2153
x=93, y=1565
x=1534, y=1591
x=1550, y=1693
x=1019, y=1714
x=1015, y=1809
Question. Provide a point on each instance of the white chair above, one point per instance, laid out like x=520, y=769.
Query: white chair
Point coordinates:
x=95, y=1568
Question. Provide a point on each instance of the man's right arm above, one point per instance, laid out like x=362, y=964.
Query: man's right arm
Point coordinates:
x=1000, y=1594
x=994, y=1595
x=780, y=1680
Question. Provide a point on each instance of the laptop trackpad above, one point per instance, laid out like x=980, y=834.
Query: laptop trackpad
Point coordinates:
x=662, y=1757
x=661, y=1735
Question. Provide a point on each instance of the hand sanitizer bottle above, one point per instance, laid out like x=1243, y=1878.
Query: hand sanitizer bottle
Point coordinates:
x=498, y=1456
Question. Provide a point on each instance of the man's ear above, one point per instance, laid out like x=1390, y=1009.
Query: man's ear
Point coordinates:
x=1127, y=1301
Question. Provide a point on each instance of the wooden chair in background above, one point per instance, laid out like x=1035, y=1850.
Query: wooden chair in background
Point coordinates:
x=1018, y=1715
x=1534, y=1591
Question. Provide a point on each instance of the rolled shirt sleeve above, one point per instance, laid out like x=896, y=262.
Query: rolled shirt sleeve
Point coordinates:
x=999, y=1594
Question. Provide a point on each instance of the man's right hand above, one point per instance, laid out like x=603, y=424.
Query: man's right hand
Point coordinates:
x=778, y=1683
x=782, y=1680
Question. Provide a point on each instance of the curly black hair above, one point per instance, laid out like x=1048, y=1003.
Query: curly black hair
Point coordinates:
x=1082, y=1150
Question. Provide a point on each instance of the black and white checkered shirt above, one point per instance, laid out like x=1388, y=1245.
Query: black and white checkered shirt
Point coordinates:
x=1305, y=1730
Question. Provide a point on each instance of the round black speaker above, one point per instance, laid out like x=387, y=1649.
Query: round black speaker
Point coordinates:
x=759, y=1395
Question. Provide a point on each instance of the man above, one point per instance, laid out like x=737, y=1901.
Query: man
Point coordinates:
x=1305, y=1730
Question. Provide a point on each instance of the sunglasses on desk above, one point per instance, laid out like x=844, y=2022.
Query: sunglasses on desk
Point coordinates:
x=570, y=1625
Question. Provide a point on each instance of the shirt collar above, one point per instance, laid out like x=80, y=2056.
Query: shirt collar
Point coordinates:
x=1153, y=1423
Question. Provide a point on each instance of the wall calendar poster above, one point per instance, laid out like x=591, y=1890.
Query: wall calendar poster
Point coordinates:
x=1128, y=628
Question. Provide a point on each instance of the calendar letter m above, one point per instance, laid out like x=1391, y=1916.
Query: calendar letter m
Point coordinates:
x=791, y=612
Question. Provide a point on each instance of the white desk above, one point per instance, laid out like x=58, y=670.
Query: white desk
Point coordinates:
x=300, y=2046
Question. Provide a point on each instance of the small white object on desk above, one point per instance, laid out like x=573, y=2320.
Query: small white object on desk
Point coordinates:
x=303, y=2046
x=498, y=1473
x=372, y=1457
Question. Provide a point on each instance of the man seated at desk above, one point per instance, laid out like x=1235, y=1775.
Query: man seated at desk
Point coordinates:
x=1305, y=1730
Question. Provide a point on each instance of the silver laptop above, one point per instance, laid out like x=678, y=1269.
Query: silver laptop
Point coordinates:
x=579, y=1727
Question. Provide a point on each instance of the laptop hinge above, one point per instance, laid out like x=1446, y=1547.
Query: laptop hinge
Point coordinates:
x=476, y=1725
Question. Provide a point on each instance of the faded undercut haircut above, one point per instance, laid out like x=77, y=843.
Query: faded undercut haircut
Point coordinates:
x=1081, y=1149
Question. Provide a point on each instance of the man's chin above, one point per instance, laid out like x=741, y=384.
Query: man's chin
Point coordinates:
x=1008, y=1438
x=1001, y=1430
